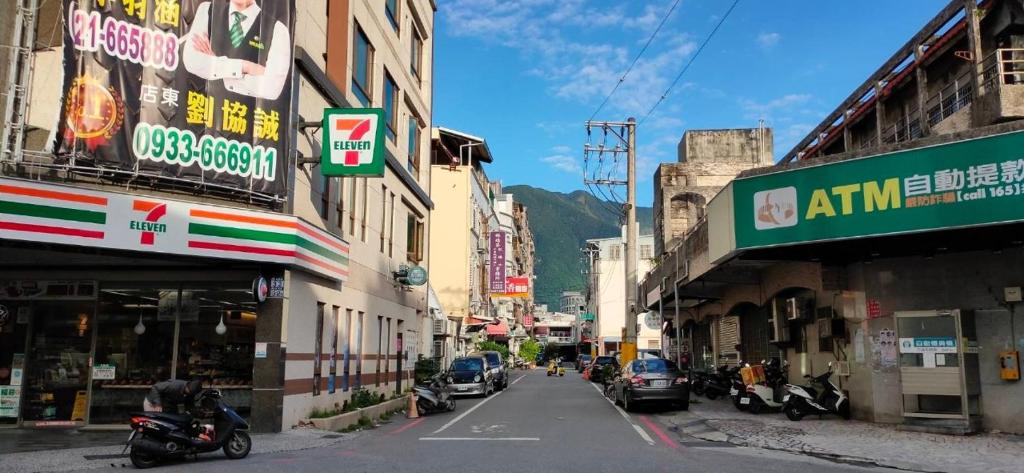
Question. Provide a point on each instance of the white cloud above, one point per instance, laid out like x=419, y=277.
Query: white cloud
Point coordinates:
x=561, y=149
x=564, y=163
x=767, y=40
x=775, y=108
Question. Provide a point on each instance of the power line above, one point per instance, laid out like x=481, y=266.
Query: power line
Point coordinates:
x=635, y=59
x=692, y=58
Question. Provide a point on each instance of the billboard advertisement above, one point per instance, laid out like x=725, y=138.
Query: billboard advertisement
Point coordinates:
x=496, y=271
x=517, y=286
x=960, y=184
x=353, y=142
x=190, y=89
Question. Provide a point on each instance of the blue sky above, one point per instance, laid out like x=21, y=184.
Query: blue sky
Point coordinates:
x=526, y=74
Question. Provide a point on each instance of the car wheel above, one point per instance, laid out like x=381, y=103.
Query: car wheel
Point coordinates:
x=627, y=403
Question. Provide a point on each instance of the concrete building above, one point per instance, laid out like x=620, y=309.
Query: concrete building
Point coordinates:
x=168, y=305
x=572, y=302
x=889, y=252
x=708, y=160
x=608, y=293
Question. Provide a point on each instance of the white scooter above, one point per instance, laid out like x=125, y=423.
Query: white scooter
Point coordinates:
x=761, y=397
x=804, y=400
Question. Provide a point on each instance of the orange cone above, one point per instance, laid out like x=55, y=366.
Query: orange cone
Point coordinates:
x=412, y=413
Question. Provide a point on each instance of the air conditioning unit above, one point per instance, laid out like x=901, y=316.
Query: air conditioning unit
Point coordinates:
x=780, y=330
x=831, y=328
x=793, y=309
x=439, y=327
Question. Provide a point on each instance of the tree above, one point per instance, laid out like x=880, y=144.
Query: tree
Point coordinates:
x=493, y=346
x=529, y=349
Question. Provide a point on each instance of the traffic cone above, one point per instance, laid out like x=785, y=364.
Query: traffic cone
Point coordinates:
x=412, y=413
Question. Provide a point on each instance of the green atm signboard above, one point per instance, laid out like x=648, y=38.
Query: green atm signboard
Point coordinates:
x=353, y=142
x=966, y=183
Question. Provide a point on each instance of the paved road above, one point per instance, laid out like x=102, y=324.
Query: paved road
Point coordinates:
x=539, y=424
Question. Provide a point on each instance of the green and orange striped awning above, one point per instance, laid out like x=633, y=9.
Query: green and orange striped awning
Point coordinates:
x=35, y=211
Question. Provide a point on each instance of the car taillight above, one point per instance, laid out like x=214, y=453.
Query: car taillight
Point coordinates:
x=637, y=380
x=681, y=380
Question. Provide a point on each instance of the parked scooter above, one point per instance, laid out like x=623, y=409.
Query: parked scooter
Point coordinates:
x=158, y=436
x=434, y=396
x=819, y=397
x=697, y=380
x=718, y=382
x=761, y=397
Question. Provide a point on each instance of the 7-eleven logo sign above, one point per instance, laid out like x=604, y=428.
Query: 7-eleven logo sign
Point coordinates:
x=353, y=143
x=148, y=225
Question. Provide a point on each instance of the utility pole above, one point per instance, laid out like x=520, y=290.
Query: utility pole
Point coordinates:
x=594, y=282
x=623, y=134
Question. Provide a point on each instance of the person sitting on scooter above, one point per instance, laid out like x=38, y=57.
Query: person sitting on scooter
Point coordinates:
x=166, y=395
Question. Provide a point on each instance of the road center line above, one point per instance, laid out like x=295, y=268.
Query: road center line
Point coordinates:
x=471, y=409
x=502, y=439
x=640, y=431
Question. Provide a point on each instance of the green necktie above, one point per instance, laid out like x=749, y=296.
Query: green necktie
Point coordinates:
x=237, y=35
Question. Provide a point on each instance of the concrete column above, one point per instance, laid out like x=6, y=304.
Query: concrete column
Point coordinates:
x=974, y=42
x=879, y=113
x=268, y=373
x=922, y=91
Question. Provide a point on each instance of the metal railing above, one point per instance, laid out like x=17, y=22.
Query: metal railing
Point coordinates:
x=1003, y=67
x=954, y=96
x=906, y=128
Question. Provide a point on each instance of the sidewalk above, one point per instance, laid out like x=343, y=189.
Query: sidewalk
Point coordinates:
x=104, y=450
x=850, y=441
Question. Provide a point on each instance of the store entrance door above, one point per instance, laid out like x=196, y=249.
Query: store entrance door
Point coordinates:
x=13, y=336
x=57, y=371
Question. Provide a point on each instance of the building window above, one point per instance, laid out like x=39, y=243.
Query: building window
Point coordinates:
x=333, y=361
x=346, y=350
x=318, y=342
x=325, y=196
x=391, y=11
x=416, y=56
x=391, y=227
x=358, y=340
x=352, y=207
x=387, y=355
x=339, y=208
x=366, y=218
x=380, y=346
x=413, y=165
x=390, y=106
x=362, y=67
x=645, y=252
x=615, y=253
x=383, y=215
x=414, y=238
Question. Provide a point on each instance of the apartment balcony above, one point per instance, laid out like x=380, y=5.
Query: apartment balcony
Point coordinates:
x=561, y=340
x=1002, y=91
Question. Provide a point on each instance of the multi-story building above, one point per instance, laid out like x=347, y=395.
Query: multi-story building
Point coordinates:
x=572, y=302
x=608, y=294
x=463, y=223
x=886, y=244
x=137, y=246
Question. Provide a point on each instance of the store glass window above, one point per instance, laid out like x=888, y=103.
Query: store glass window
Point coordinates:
x=57, y=364
x=13, y=332
x=134, y=348
x=216, y=341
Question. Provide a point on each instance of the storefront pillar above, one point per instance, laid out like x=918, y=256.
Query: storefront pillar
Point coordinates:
x=268, y=368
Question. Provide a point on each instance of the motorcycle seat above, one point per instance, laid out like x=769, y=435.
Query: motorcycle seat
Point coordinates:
x=180, y=419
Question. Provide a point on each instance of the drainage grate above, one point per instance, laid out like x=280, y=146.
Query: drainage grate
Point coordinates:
x=110, y=456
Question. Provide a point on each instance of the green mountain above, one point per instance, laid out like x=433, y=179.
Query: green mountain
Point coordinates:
x=561, y=223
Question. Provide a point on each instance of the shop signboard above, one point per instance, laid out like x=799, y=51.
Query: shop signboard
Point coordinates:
x=517, y=287
x=497, y=263
x=353, y=142
x=261, y=350
x=10, y=401
x=928, y=345
x=103, y=372
x=961, y=184
x=49, y=213
x=183, y=88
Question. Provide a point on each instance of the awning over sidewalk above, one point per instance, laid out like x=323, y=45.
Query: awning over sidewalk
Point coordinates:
x=499, y=330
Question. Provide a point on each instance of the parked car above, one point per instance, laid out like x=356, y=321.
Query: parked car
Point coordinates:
x=470, y=375
x=597, y=367
x=652, y=380
x=581, y=362
x=497, y=366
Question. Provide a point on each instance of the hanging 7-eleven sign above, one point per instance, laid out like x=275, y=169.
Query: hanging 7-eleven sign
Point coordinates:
x=353, y=142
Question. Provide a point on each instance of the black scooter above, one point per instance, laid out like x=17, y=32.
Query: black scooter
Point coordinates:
x=718, y=382
x=159, y=436
x=434, y=397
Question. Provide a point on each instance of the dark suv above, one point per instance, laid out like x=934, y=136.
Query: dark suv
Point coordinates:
x=597, y=368
x=498, y=368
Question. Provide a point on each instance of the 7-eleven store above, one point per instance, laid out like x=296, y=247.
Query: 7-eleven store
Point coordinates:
x=103, y=293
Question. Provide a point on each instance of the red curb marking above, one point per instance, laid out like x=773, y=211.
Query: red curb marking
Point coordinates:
x=406, y=427
x=657, y=431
